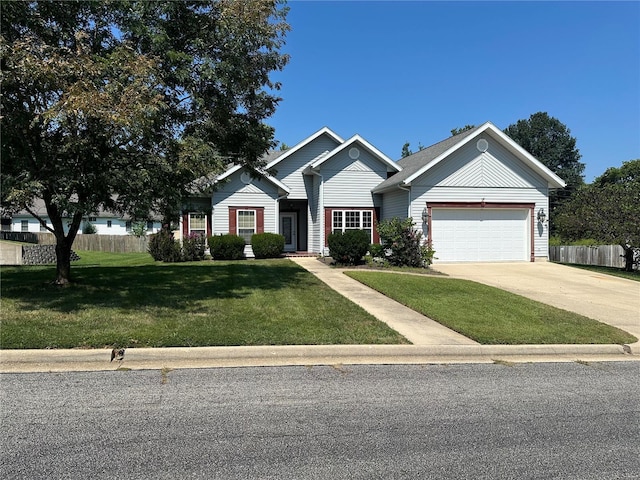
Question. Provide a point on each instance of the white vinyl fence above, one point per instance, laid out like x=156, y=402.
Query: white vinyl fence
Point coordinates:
x=602, y=255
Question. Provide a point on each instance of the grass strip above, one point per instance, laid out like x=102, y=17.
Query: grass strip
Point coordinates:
x=489, y=315
x=616, y=272
x=129, y=300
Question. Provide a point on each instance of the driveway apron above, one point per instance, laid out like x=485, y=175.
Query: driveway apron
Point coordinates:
x=608, y=299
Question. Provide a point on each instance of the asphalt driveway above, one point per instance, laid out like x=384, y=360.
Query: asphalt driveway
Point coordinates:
x=611, y=300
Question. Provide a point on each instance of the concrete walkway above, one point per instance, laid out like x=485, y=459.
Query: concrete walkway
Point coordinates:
x=432, y=342
x=415, y=327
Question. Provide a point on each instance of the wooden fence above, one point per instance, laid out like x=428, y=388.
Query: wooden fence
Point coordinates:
x=602, y=255
x=102, y=243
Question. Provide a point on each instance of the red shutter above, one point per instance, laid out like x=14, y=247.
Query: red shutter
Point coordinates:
x=233, y=229
x=185, y=225
x=260, y=220
x=328, y=223
x=376, y=216
x=209, y=223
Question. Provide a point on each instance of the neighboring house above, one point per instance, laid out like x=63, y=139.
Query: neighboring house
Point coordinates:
x=106, y=223
x=477, y=196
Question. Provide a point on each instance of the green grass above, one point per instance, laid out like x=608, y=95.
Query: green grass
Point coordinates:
x=616, y=272
x=130, y=300
x=490, y=315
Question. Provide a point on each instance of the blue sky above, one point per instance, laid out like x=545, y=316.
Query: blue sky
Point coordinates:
x=411, y=71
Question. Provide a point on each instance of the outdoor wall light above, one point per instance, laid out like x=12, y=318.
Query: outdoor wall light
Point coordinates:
x=425, y=216
x=541, y=216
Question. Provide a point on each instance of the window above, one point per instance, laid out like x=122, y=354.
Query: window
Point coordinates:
x=150, y=225
x=197, y=223
x=108, y=223
x=93, y=219
x=246, y=224
x=43, y=227
x=127, y=225
x=353, y=220
x=24, y=225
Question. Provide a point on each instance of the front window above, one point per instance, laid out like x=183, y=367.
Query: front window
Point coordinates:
x=246, y=224
x=197, y=224
x=109, y=223
x=24, y=225
x=353, y=220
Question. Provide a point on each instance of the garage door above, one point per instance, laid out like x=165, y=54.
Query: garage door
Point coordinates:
x=480, y=234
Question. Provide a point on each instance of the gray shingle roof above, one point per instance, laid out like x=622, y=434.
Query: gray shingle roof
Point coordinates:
x=415, y=162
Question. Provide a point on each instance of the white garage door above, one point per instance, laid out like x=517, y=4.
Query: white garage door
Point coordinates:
x=480, y=234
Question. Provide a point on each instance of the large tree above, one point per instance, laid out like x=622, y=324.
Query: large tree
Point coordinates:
x=550, y=141
x=123, y=104
x=608, y=210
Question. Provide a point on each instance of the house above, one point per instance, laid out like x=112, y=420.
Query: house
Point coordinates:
x=105, y=223
x=476, y=196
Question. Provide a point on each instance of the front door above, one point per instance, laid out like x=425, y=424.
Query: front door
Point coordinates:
x=288, y=228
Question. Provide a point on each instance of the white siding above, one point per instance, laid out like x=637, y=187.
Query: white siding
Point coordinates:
x=395, y=204
x=289, y=171
x=315, y=220
x=118, y=225
x=348, y=182
x=495, y=176
x=234, y=193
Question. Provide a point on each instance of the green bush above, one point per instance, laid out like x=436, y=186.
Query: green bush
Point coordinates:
x=403, y=244
x=376, y=250
x=267, y=245
x=89, y=228
x=349, y=247
x=227, y=247
x=164, y=248
x=193, y=247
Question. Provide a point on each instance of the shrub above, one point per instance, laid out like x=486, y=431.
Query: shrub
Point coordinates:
x=89, y=228
x=349, y=247
x=267, y=245
x=403, y=244
x=226, y=247
x=164, y=248
x=139, y=229
x=376, y=250
x=193, y=247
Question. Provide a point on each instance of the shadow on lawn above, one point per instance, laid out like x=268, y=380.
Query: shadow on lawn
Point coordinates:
x=173, y=286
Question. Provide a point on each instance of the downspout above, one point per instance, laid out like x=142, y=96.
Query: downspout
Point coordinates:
x=408, y=190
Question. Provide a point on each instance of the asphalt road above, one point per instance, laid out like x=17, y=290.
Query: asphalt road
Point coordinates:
x=564, y=420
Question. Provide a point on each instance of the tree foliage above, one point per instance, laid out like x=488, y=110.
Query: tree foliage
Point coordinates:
x=608, y=210
x=550, y=141
x=121, y=105
x=458, y=131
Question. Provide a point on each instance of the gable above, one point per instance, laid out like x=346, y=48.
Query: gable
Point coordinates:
x=494, y=168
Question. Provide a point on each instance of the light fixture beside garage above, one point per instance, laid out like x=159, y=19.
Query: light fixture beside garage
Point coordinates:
x=541, y=216
x=425, y=215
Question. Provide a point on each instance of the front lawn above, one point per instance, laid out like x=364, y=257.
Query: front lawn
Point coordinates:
x=490, y=315
x=129, y=300
x=616, y=272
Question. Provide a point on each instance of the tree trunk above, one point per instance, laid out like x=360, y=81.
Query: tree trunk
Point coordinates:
x=63, y=261
x=628, y=258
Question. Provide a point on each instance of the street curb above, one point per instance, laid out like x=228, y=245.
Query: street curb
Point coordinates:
x=16, y=361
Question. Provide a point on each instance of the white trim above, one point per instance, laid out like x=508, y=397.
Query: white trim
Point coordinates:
x=358, y=139
x=255, y=222
x=530, y=160
x=306, y=141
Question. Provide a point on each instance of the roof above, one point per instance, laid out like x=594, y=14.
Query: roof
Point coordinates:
x=420, y=162
x=39, y=208
x=350, y=142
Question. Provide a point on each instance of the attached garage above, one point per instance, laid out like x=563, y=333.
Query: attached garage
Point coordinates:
x=485, y=234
